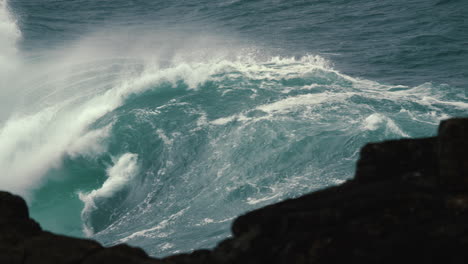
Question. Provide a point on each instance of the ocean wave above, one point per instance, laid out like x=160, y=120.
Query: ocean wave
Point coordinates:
x=33, y=143
x=119, y=175
x=197, y=133
x=37, y=138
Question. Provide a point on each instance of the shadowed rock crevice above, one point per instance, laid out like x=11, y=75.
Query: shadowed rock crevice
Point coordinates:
x=408, y=203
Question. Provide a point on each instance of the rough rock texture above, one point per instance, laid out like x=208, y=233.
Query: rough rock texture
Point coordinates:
x=23, y=241
x=408, y=203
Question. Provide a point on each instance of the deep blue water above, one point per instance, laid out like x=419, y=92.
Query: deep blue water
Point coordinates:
x=156, y=123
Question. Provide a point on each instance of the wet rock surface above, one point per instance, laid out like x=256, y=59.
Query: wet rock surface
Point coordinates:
x=408, y=203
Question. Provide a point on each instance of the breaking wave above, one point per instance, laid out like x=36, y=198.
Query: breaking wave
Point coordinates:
x=161, y=139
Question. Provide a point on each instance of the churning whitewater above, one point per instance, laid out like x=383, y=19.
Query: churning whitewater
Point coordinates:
x=157, y=131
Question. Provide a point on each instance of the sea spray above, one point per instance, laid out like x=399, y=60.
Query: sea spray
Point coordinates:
x=9, y=59
x=228, y=106
x=9, y=35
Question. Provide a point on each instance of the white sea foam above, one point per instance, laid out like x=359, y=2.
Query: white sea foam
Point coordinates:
x=224, y=120
x=154, y=231
x=425, y=95
x=167, y=141
x=373, y=121
x=253, y=201
x=376, y=120
x=283, y=106
x=119, y=175
x=207, y=221
x=167, y=246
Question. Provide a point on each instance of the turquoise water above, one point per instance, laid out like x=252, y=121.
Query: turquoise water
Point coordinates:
x=156, y=123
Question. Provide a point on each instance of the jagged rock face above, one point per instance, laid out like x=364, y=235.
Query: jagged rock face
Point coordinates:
x=408, y=203
x=453, y=153
x=23, y=241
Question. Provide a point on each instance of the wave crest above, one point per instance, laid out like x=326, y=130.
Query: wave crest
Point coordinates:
x=119, y=175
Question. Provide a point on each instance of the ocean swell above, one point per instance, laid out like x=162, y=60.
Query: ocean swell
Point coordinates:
x=160, y=141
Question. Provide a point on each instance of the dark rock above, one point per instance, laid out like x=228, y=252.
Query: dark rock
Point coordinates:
x=11, y=255
x=50, y=248
x=120, y=254
x=12, y=207
x=408, y=203
x=452, y=154
x=196, y=257
x=398, y=158
x=15, y=226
